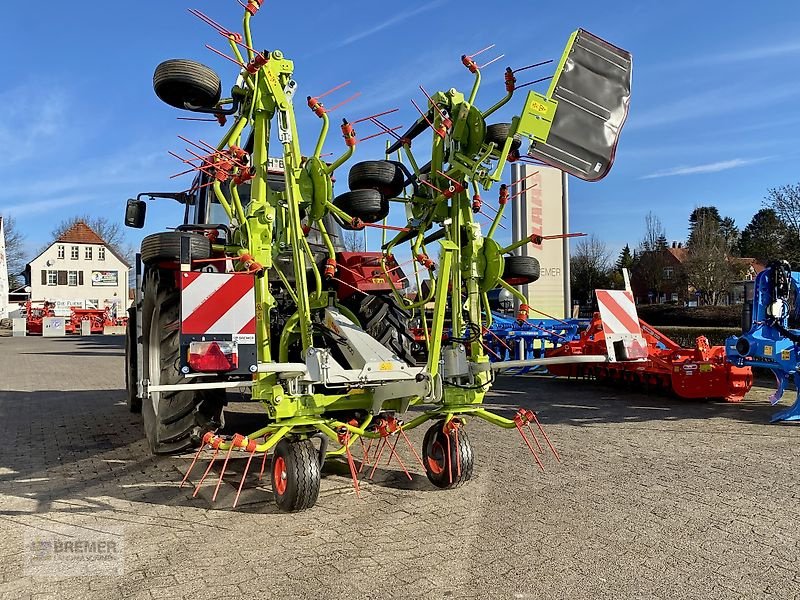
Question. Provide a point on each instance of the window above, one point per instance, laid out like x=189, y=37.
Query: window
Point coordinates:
x=674, y=297
x=52, y=277
x=61, y=251
x=669, y=272
x=101, y=253
x=87, y=253
x=73, y=253
x=72, y=278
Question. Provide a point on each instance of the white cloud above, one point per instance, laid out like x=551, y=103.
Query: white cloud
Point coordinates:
x=398, y=18
x=715, y=167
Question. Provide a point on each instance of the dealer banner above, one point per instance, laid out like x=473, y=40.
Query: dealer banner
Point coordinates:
x=104, y=278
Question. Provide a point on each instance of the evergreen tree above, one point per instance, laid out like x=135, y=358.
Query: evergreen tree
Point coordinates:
x=765, y=237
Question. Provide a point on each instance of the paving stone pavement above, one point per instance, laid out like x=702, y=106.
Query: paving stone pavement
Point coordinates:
x=654, y=498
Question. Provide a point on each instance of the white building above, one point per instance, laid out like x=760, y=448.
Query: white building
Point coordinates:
x=79, y=269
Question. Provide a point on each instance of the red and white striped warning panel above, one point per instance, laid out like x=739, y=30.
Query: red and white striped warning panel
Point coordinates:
x=219, y=303
x=624, y=339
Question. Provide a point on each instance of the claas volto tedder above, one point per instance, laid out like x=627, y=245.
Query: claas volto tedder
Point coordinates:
x=254, y=289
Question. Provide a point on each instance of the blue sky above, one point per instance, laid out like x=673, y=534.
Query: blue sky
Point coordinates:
x=713, y=119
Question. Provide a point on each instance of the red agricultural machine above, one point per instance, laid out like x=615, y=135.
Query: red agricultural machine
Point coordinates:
x=691, y=373
x=99, y=318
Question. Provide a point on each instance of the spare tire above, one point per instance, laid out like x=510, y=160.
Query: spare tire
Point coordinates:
x=498, y=134
x=386, y=176
x=368, y=205
x=180, y=82
x=519, y=270
x=167, y=246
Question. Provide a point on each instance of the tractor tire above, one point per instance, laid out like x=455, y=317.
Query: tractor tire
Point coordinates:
x=131, y=352
x=498, y=134
x=295, y=475
x=180, y=82
x=445, y=469
x=174, y=421
x=520, y=270
x=384, y=319
x=166, y=246
x=385, y=176
x=368, y=205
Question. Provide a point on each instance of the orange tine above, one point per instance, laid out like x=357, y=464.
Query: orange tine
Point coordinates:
x=527, y=443
x=196, y=456
x=393, y=453
x=410, y=445
x=222, y=473
x=208, y=470
x=244, y=475
x=381, y=444
x=547, y=439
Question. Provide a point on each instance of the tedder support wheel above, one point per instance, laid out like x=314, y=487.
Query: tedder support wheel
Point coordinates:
x=180, y=82
x=133, y=401
x=166, y=246
x=295, y=475
x=498, y=134
x=368, y=205
x=447, y=454
x=385, y=176
x=385, y=320
x=519, y=270
x=174, y=421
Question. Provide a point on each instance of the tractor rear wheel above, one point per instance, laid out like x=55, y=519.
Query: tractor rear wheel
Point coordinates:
x=180, y=82
x=367, y=205
x=519, y=270
x=385, y=176
x=131, y=379
x=385, y=320
x=295, y=475
x=174, y=421
x=447, y=455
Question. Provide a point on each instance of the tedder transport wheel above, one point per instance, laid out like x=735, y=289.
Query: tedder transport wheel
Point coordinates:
x=180, y=82
x=385, y=176
x=448, y=463
x=368, y=205
x=133, y=400
x=498, y=133
x=166, y=245
x=295, y=475
x=383, y=319
x=519, y=270
x=173, y=421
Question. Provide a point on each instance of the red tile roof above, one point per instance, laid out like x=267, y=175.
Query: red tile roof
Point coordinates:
x=80, y=233
x=681, y=254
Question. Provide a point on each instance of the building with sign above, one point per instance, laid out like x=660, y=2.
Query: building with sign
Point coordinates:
x=79, y=269
x=542, y=211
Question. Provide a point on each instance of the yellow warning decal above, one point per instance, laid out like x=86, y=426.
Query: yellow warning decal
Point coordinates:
x=387, y=366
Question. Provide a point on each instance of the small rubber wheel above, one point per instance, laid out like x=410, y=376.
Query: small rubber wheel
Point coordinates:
x=131, y=380
x=519, y=270
x=166, y=245
x=367, y=205
x=179, y=82
x=295, y=475
x=385, y=176
x=498, y=134
x=448, y=456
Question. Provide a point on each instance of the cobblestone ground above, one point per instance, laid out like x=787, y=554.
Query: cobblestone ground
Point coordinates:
x=654, y=498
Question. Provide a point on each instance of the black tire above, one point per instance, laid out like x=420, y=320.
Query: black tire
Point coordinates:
x=166, y=246
x=519, y=270
x=368, y=205
x=131, y=380
x=385, y=176
x=173, y=421
x=498, y=134
x=445, y=469
x=295, y=473
x=385, y=320
x=179, y=82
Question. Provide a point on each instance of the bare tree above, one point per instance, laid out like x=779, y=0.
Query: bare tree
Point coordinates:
x=590, y=266
x=111, y=232
x=651, y=258
x=352, y=240
x=15, y=251
x=785, y=201
x=709, y=267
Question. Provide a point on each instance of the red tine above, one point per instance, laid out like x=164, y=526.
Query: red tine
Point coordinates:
x=343, y=102
x=522, y=191
x=535, y=439
x=539, y=64
x=366, y=449
x=393, y=453
x=494, y=60
x=524, y=178
x=547, y=439
x=379, y=453
x=208, y=470
x=424, y=116
x=196, y=456
x=351, y=464
x=427, y=95
x=480, y=51
x=333, y=89
x=527, y=443
x=410, y=445
x=381, y=114
x=429, y=184
x=223, y=55
x=222, y=473
x=387, y=131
